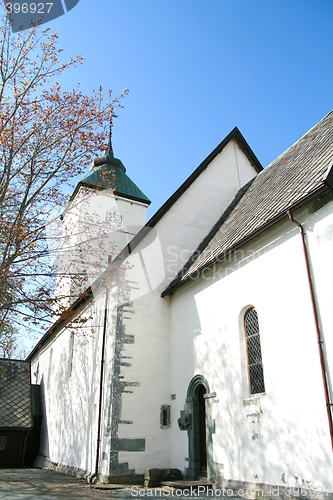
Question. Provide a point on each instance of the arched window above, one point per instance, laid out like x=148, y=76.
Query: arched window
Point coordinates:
x=253, y=349
x=165, y=416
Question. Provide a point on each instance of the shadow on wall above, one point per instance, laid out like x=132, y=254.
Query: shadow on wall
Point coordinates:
x=70, y=388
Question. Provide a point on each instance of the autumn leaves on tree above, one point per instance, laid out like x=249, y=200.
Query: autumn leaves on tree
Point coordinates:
x=47, y=138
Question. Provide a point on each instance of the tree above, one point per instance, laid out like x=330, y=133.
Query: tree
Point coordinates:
x=10, y=347
x=47, y=136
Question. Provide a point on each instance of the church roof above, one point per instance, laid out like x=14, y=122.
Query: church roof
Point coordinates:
x=108, y=172
x=303, y=170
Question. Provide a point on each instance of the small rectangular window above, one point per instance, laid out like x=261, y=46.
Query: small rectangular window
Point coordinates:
x=3, y=443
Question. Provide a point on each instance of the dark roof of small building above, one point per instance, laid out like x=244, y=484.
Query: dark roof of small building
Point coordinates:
x=15, y=394
x=286, y=183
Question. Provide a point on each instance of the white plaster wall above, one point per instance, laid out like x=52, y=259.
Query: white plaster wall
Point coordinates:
x=282, y=435
x=263, y=441
x=189, y=220
x=87, y=239
x=71, y=395
x=149, y=269
x=320, y=242
x=94, y=204
x=133, y=214
x=149, y=358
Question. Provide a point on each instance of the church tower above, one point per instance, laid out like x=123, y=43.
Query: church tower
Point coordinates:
x=106, y=210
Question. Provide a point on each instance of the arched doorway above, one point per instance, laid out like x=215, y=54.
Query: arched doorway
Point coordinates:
x=201, y=424
x=199, y=434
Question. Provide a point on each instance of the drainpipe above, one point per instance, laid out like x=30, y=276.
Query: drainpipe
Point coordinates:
x=316, y=318
x=100, y=391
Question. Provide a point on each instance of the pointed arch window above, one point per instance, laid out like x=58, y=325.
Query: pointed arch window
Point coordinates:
x=253, y=350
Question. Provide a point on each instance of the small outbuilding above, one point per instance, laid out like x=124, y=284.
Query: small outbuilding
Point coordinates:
x=15, y=411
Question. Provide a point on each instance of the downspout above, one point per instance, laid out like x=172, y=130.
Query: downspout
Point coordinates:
x=316, y=318
x=98, y=445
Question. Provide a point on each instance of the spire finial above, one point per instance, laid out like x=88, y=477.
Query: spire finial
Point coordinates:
x=109, y=150
x=108, y=157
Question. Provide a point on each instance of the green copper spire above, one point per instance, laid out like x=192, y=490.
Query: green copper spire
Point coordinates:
x=108, y=157
x=108, y=172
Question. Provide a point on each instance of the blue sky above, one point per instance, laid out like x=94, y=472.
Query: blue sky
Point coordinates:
x=196, y=69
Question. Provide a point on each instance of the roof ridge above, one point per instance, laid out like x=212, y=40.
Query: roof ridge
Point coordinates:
x=234, y=134
x=296, y=142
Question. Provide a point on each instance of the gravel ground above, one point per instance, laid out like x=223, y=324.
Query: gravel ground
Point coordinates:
x=35, y=484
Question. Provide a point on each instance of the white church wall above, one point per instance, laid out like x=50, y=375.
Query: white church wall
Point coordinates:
x=151, y=265
x=189, y=220
x=281, y=437
x=68, y=369
x=133, y=214
x=150, y=367
x=96, y=224
x=146, y=363
x=93, y=205
x=320, y=240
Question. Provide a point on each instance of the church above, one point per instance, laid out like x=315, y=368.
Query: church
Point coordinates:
x=200, y=340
